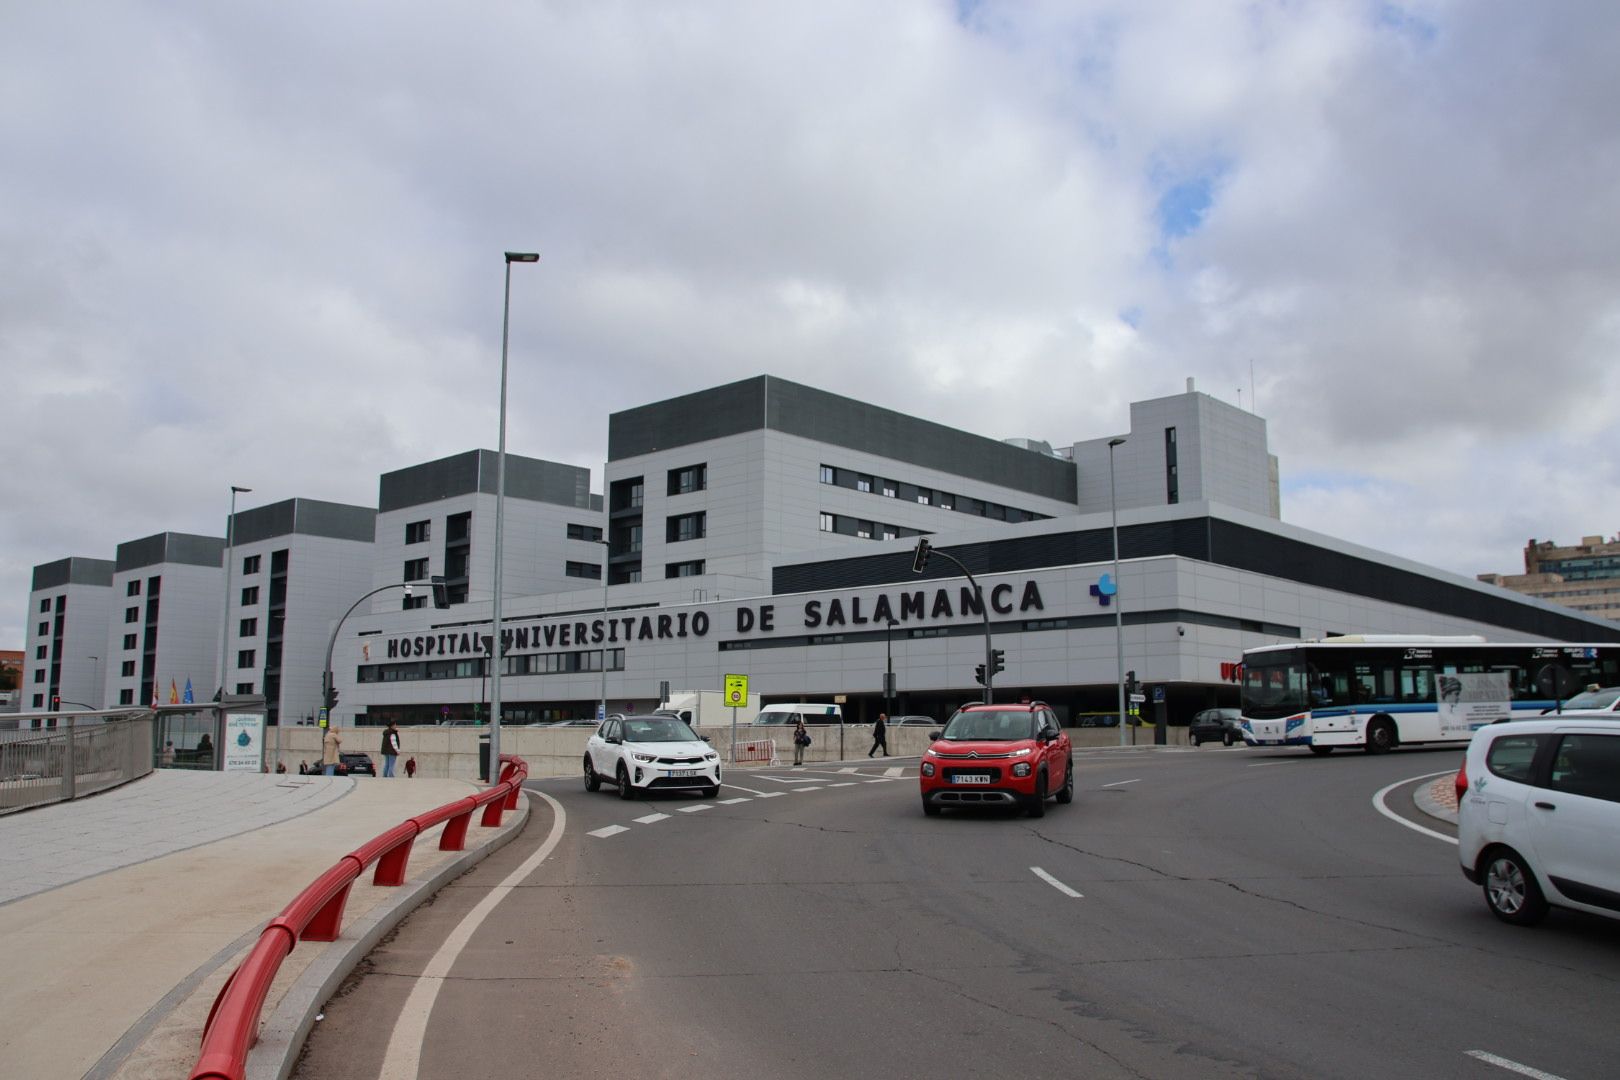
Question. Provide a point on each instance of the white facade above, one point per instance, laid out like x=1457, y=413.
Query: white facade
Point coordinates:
x=65, y=653
x=167, y=600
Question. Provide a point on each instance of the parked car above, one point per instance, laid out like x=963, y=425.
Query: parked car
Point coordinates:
x=913, y=720
x=1604, y=701
x=1006, y=755
x=1538, y=809
x=650, y=753
x=1211, y=725
x=356, y=764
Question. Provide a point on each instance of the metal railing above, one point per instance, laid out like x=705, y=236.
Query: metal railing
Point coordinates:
x=74, y=760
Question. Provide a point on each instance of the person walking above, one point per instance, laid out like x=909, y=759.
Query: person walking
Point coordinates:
x=801, y=739
x=390, y=748
x=880, y=735
x=329, y=751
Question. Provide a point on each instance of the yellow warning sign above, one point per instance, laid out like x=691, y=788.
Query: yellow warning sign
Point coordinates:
x=737, y=691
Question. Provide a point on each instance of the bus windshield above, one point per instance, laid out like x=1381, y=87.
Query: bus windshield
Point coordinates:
x=1275, y=686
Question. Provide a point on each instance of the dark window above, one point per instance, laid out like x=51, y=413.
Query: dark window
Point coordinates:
x=584, y=532
x=457, y=528
x=45, y=606
x=126, y=697
x=1512, y=756
x=250, y=564
x=250, y=596
x=584, y=570
x=684, y=569
x=131, y=614
x=1587, y=765
x=688, y=479
x=411, y=603
x=1172, y=484
x=244, y=658
x=131, y=641
x=127, y=669
x=39, y=653
x=133, y=588
x=418, y=532
x=39, y=673
x=685, y=527
x=244, y=688
x=248, y=628
x=416, y=569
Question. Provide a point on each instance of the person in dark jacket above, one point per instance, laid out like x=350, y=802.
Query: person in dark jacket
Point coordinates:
x=390, y=748
x=880, y=735
x=801, y=739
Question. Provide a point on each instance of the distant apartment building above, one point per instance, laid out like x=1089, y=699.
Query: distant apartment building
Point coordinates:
x=167, y=600
x=1585, y=576
x=66, y=653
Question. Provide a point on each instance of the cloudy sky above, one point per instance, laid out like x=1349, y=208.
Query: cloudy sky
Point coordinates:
x=260, y=243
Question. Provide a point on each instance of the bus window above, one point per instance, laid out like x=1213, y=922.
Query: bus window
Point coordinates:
x=1417, y=684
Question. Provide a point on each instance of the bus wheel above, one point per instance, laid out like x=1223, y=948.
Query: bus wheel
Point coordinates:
x=1380, y=736
x=1321, y=751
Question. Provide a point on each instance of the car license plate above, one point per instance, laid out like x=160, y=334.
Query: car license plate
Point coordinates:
x=971, y=778
x=684, y=772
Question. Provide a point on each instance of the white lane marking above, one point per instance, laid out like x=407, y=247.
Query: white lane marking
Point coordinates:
x=1378, y=804
x=1054, y=882
x=798, y=789
x=846, y=783
x=1511, y=1066
x=650, y=818
x=750, y=790
x=895, y=770
x=404, y=1056
x=611, y=830
x=695, y=809
x=771, y=794
x=849, y=769
x=1119, y=783
x=733, y=802
x=791, y=779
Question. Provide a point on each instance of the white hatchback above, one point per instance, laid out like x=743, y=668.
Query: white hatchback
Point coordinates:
x=1538, y=816
x=650, y=753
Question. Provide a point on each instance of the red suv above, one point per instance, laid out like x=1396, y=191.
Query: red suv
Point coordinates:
x=1008, y=755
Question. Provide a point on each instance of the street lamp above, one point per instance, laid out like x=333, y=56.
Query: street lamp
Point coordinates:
x=95, y=676
x=1119, y=619
x=500, y=519
x=888, y=667
x=607, y=550
x=919, y=562
x=225, y=616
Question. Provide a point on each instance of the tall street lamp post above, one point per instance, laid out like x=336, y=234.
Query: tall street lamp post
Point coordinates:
x=500, y=521
x=95, y=678
x=1119, y=619
x=601, y=708
x=225, y=616
x=888, y=668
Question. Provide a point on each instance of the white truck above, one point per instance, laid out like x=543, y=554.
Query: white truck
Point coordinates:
x=708, y=708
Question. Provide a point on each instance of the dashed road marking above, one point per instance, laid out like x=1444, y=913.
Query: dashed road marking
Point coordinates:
x=611, y=830
x=734, y=802
x=695, y=809
x=816, y=788
x=1055, y=883
x=846, y=783
x=1121, y=783
x=1511, y=1066
x=771, y=794
x=650, y=818
x=849, y=769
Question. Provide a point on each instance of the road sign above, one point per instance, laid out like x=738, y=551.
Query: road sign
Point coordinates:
x=1138, y=699
x=737, y=691
x=1158, y=694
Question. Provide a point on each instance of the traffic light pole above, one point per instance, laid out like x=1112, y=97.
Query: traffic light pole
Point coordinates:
x=919, y=561
x=328, y=691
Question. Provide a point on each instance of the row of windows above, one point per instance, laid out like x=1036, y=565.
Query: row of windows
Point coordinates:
x=945, y=500
x=583, y=570
x=866, y=530
x=558, y=663
x=585, y=532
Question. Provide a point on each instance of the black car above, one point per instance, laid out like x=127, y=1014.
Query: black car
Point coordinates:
x=1208, y=725
x=355, y=765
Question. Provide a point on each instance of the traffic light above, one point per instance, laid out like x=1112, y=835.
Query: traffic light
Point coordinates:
x=920, y=559
x=441, y=592
x=1130, y=682
x=998, y=658
x=56, y=702
x=331, y=698
x=978, y=674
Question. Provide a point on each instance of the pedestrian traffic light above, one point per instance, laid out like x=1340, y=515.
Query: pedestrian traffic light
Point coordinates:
x=998, y=658
x=978, y=674
x=441, y=592
x=331, y=698
x=919, y=559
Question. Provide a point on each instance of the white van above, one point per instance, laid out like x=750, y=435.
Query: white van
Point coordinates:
x=813, y=713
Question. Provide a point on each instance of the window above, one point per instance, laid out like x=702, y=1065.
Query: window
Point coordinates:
x=39, y=673
x=890, y=533
x=1172, y=483
x=411, y=603
x=1511, y=757
x=126, y=670
x=584, y=570
x=133, y=588
x=826, y=523
x=689, y=479
x=1587, y=765
x=458, y=528
x=863, y=529
x=250, y=596
x=244, y=658
x=685, y=527
x=250, y=564
x=244, y=688
x=131, y=614
x=584, y=532
x=126, y=697
x=925, y=496
x=684, y=569
x=418, y=532
x=247, y=628
x=416, y=569
x=45, y=606
x=131, y=641
x=39, y=653
x=863, y=483
x=829, y=475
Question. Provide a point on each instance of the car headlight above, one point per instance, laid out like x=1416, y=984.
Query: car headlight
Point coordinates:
x=928, y=752
x=644, y=757
x=1022, y=751
x=1021, y=769
x=928, y=767
x=711, y=757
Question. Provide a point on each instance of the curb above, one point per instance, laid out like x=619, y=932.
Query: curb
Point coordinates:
x=282, y=1036
x=1424, y=798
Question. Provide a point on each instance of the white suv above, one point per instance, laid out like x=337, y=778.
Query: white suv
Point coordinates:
x=650, y=753
x=1538, y=816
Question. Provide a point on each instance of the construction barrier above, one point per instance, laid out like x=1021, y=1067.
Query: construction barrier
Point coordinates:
x=753, y=751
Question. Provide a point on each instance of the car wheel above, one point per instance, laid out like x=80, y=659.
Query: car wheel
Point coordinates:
x=930, y=809
x=1227, y=740
x=1192, y=739
x=1066, y=795
x=1380, y=737
x=1321, y=751
x=1037, y=805
x=592, y=780
x=625, y=790
x=1510, y=888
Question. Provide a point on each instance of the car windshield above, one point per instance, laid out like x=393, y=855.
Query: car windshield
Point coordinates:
x=990, y=725
x=658, y=729
x=1594, y=699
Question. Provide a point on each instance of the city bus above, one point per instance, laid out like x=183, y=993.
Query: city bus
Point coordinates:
x=1377, y=692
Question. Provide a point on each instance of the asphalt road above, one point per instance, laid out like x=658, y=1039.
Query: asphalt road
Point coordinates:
x=1240, y=913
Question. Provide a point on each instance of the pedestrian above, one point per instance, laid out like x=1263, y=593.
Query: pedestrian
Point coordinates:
x=281, y=767
x=410, y=768
x=880, y=735
x=801, y=739
x=329, y=751
x=390, y=748
x=168, y=753
x=205, y=751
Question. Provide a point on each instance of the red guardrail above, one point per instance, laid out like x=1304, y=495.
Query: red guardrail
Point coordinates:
x=316, y=914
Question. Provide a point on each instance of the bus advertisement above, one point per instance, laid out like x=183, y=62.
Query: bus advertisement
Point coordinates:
x=1377, y=692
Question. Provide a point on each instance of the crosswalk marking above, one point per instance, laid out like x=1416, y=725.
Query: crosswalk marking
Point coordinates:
x=733, y=802
x=771, y=794
x=849, y=769
x=650, y=818
x=816, y=788
x=846, y=783
x=611, y=830
x=695, y=809
x=895, y=770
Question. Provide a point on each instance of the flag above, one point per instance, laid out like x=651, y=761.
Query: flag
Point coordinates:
x=187, y=699
x=174, y=693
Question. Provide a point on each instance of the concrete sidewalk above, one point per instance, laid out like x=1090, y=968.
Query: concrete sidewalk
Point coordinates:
x=122, y=914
